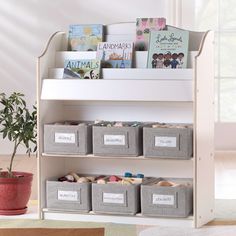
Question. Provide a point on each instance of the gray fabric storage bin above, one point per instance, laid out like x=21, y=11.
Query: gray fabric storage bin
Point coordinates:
x=167, y=201
x=168, y=142
x=68, y=196
x=115, y=198
x=68, y=138
x=117, y=141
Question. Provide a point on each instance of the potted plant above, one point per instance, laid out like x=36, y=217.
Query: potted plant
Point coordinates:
x=18, y=125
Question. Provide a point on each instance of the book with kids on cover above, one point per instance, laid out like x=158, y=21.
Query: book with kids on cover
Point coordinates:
x=81, y=69
x=115, y=54
x=143, y=28
x=85, y=37
x=168, y=49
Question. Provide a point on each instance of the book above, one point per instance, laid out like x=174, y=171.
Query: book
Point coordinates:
x=115, y=54
x=82, y=69
x=85, y=37
x=168, y=49
x=143, y=28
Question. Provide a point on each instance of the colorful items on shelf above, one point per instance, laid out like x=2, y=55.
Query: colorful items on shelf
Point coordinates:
x=166, y=184
x=141, y=176
x=116, y=123
x=164, y=125
x=128, y=174
x=127, y=179
x=73, y=177
x=114, y=178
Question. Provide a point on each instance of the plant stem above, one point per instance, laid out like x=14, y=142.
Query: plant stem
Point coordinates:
x=13, y=155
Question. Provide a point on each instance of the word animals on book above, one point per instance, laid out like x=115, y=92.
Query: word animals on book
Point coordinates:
x=81, y=69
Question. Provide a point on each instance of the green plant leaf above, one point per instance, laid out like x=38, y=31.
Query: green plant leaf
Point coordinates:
x=4, y=133
x=17, y=122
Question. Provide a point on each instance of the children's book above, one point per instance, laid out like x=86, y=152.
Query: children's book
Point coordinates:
x=85, y=37
x=115, y=54
x=81, y=69
x=143, y=28
x=168, y=49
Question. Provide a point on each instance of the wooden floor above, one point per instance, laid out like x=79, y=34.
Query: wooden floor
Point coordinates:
x=52, y=232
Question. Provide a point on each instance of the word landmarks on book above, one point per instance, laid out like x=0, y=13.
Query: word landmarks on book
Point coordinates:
x=168, y=49
x=115, y=54
x=143, y=28
x=81, y=69
x=85, y=37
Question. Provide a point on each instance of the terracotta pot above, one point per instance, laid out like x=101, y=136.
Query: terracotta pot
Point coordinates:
x=15, y=193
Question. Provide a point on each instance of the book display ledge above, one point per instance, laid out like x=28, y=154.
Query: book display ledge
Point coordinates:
x=141, y=94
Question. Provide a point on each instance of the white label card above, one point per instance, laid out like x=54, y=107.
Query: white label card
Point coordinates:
x=67, y=195
x=165, y=141
x=114, y=198
x=159, y=199
x=114, y=139
x=64, y=138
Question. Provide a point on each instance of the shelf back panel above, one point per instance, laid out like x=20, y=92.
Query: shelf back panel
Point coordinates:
x=154, y=168
x=129, y=111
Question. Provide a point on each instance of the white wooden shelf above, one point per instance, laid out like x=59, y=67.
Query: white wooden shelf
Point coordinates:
x=117, y=90
x=137, y=219
x=178, y=96
x=91, y=156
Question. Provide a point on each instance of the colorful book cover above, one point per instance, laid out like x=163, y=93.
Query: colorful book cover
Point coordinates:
x=143, y=28
x=168, y=49
x=115, y=54
x=85, y=37
x=81, y=69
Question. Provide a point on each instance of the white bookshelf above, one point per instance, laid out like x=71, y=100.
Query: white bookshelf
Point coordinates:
x=140, y=94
